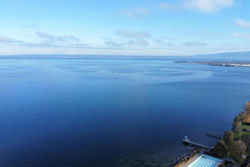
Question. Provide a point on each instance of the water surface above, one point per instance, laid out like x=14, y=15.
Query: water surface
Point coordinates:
x=91, y=112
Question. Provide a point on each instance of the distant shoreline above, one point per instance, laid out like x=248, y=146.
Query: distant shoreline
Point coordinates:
x=224, y=64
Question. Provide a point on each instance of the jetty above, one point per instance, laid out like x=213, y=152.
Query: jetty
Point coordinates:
x=214, y=136
x=186, y=141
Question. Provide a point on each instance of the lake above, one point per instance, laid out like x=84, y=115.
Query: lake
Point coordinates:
x=91, y=112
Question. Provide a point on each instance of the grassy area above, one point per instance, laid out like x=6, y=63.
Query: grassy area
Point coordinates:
x=236, y=142
x=242, y=133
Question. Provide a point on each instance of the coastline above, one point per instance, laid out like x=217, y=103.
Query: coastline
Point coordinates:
x=215, y=63
x=225, y=149
x=233, y=149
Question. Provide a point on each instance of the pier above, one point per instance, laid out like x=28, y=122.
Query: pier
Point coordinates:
x=214, y=136
x=186, y=141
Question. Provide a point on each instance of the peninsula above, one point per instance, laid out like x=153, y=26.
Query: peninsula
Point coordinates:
x=213, y=63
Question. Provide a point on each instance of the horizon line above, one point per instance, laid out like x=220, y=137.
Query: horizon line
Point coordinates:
x=121, y=55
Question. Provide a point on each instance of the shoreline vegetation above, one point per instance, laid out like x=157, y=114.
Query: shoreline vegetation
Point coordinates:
x=233, y=148
x=224, y=64
x=235, y=144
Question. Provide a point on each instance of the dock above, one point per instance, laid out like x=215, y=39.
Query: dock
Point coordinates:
x=214, y=136
x=186, y=141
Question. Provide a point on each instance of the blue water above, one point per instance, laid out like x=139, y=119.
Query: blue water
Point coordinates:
x=90, y=112
x=206, y=161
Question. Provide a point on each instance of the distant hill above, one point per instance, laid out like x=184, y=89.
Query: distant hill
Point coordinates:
x=223, y=56
x=245, y=53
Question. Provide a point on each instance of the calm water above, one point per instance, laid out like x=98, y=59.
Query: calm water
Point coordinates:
x=90, y=112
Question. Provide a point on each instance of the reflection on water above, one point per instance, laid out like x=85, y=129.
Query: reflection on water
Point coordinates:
x=92, y=112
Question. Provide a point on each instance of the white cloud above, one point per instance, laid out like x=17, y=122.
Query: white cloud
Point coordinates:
x=9, y=40
x=236, y=34
x=242, y=23
x=136, y=12
x=46, y=40
x=208, y=6
x=54, y=38
x=204, y=6
x=139, y=42
x=131, y=43
x=189, y=44
x=51, y=40
x=172, y=6
x=164, y=42
x=5, y=39
x=133, y=34
x=241, y=35
x=129, y=39
x=114, y=44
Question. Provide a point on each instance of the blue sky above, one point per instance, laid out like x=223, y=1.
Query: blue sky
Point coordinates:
x=124, y=27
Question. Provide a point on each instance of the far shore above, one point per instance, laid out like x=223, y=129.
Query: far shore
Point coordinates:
x=213, y=63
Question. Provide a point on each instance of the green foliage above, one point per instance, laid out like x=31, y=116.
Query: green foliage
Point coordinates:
x=228, y=138
x=234, y=142
x=247, y=107
x=246, y=139
x=220, y=148
x=237, y=128
x=241, y=132
x=237, y=119
x=238, y=150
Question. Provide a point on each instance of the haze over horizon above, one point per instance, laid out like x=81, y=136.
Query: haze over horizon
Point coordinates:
x=140, y=27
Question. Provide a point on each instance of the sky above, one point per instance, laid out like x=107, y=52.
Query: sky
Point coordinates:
x=124, y=27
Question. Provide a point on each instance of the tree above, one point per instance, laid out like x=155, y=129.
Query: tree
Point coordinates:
x=220, y=148
x=228, y=138
x=247, y=108
x=244, y=116
x=237, y=118
x=237, y=128
x=236, y=122
x=246, y=139
x=238, y=150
